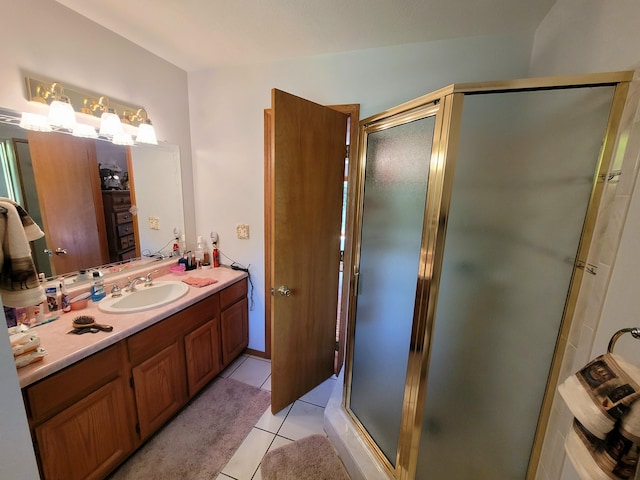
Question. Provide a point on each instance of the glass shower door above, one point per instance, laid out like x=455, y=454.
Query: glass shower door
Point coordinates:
x=523, y=179
x=395, y=190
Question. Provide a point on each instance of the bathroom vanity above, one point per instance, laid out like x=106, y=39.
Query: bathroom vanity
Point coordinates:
x=97, y=397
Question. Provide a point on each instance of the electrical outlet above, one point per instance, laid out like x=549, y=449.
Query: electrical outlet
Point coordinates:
x=154, y=223
x=242, y=231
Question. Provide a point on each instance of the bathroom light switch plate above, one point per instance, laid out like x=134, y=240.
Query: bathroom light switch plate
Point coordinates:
x=242, y=231
x=154, y=223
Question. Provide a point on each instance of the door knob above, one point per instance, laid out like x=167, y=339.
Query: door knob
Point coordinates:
x=284, y=291
x=57, y=251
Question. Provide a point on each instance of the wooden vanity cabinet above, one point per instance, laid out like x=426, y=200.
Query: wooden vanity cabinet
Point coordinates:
x=234, y=320
x=172, y=360
x=88, y=418
x=82, y=418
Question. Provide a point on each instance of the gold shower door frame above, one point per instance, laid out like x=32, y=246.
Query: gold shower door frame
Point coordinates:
x=447, y=106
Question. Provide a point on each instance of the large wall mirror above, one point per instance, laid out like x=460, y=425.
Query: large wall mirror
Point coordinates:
x=98, y=203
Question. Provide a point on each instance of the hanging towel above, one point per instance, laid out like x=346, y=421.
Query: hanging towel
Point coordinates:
x=19, y=285
x=604, y=441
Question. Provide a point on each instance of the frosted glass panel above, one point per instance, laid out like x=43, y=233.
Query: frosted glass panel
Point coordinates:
x=523, y=179
x=397, y=169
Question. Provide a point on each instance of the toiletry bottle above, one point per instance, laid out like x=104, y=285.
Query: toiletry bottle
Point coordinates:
x=83, y=275
x=199, y=252
x=65, y=303
x=216, y=255
x=183, y=245
x=51, y=292
x=39, y=310
x=97, y=289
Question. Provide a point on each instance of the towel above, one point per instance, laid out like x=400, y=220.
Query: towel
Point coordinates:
x=604, y=441
x=19, y=285
x=199, y=282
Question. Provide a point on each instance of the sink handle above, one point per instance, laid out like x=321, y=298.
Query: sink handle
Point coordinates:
x=115, y=291
x=149, y=282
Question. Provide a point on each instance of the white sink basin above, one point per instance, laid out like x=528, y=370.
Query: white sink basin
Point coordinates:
x=144, y=298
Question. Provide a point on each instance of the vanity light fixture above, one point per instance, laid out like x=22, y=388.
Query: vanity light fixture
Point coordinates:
x=122, y=138
x=35, y=121
x=146, y=132
x=84, y=131
x=61, y=113
x=62, y=116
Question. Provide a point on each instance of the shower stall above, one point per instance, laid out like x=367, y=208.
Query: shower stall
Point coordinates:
x=474, y=212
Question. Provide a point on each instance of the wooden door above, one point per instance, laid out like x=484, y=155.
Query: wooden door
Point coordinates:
x=306, y=174
x=68, y=183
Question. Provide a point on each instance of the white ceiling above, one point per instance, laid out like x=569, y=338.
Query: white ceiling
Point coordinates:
x=201, y=34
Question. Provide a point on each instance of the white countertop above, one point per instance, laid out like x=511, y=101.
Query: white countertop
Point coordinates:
x=64, y=349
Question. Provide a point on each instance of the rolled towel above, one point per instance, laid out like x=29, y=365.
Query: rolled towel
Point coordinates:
x=580, y=452
x=601, y=392
x=615, y=457
x=29, y=344
x=30, y=357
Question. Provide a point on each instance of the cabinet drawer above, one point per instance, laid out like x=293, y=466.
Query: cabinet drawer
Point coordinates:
x=60, y=390
x=124, y=242
x=120, y=198
x=127, y=241
x=124, y=217
x=125, y=229
x=233, y=293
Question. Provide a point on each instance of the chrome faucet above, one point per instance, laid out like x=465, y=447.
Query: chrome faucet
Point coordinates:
x=131, y=286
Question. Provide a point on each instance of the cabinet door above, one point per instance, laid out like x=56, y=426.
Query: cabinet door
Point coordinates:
x=234, y=324
x=88, y=439
x=202, y=349
x=160, y=388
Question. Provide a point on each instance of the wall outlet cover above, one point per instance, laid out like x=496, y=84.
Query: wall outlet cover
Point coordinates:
x=242, y=231
x=154, y=223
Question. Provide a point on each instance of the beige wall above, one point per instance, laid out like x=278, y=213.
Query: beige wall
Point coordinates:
x=226, y=107
x=584, y=37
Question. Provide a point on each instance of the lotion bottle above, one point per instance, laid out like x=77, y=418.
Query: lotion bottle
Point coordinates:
x=199, y=252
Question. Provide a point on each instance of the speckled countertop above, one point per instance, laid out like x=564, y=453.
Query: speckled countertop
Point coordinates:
x=64, y=349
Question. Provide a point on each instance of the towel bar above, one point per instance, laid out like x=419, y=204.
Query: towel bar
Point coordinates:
x=634, y=331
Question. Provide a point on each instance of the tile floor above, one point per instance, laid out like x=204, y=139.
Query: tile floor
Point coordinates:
x=302, y=418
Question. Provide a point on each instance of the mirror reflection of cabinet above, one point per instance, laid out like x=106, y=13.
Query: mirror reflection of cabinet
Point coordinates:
x=120, y=227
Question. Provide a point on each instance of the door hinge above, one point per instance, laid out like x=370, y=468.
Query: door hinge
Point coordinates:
x=348, y=150
x=337, y=345
x=342, y=255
